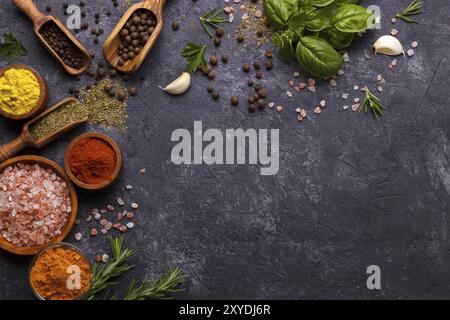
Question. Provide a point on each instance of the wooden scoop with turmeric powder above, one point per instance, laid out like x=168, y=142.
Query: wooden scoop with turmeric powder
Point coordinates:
x=45, y=128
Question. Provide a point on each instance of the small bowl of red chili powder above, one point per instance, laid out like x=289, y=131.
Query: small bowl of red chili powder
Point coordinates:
x=93, y=161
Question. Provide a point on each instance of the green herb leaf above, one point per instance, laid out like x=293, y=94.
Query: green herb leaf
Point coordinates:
x=279, y=11
x=11, y=48
x=373, y=103
x=320, y=3
x=285, y=43
x=311, y=18
x=318, y=57
x=339, y=40
x=212, y=18
x=414, y=8
x=352, y=18
x=195, y=56
x=169, y=283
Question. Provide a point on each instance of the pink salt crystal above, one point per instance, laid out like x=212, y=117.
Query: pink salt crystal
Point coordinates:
x=35, y=203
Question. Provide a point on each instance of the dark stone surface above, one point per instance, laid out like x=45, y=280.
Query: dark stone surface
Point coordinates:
x=351, y=191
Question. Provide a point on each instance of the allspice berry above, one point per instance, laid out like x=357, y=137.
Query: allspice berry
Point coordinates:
x=240, y=38
x=269, y=65
x=215, y=95
x=220, y=32
x=225, y=58
x=246, y=67
x=217, y=41
x=132, y=91
x=211, y=75
x=269, y=54
x=261, y=103
x=234, y=100
x=121, y=95
x=213, y=60
x=210, y=89
x=251, y=108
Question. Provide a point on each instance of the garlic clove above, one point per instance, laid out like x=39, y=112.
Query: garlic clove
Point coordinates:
x=179, y=85
x=388, y=45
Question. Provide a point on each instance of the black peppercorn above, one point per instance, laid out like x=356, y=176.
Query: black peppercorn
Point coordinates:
x=176, y=25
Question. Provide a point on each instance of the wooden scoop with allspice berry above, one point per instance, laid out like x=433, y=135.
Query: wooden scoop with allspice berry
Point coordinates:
x=131, y=40
x=35, y=135
x=58, y=40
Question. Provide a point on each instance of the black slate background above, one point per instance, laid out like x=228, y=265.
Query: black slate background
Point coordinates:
x=351, y=191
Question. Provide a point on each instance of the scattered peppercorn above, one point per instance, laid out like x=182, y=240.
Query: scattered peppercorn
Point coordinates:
x=220, y=32
x=176, y=25
x=234, y=100
x=269, y=65
x=246, y=67
x=213, y=60
x=217, y=41
x=240, y=38
x=132, y=91
x=269, y=54
x=225, y=58
x=210, y=89
x=215, y=95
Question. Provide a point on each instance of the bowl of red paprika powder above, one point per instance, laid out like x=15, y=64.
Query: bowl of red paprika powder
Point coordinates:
x=93, y=161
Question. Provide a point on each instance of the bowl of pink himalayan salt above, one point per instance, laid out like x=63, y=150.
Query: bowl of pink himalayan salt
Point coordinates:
x=38, y=204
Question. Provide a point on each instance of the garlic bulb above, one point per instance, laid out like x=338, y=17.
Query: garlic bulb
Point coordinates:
x=179, y=85
x=388, y=45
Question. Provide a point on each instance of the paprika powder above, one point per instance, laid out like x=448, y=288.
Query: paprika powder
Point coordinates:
x=92, y=160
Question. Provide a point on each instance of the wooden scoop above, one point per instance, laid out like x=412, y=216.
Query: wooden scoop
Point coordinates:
x=39, y=19
x=110, y=48
x=25, y=139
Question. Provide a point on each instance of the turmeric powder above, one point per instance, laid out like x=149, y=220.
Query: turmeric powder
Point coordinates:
x=19, y=91
x=60, y=273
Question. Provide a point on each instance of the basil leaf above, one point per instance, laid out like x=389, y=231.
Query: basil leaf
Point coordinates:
x=338, y=39
x=318, y=57
x=352, y=18
x=310, y=18
x=341, y=2
x=279, y=11
x=320, y=3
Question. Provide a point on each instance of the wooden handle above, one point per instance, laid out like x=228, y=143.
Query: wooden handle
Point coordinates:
x=12, y=148
x=29, y=8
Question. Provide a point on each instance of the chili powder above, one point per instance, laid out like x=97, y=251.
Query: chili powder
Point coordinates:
x=92, y=160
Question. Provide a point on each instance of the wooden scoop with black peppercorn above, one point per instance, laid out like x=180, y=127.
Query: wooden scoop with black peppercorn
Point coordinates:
x=133, y=37
x=27, y=140
x=63, y=46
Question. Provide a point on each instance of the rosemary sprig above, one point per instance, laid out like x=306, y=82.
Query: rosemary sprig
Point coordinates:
x=416, y=7
x=212, y=19
x=103, y=275
x=161, y=288
x=373, y=103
